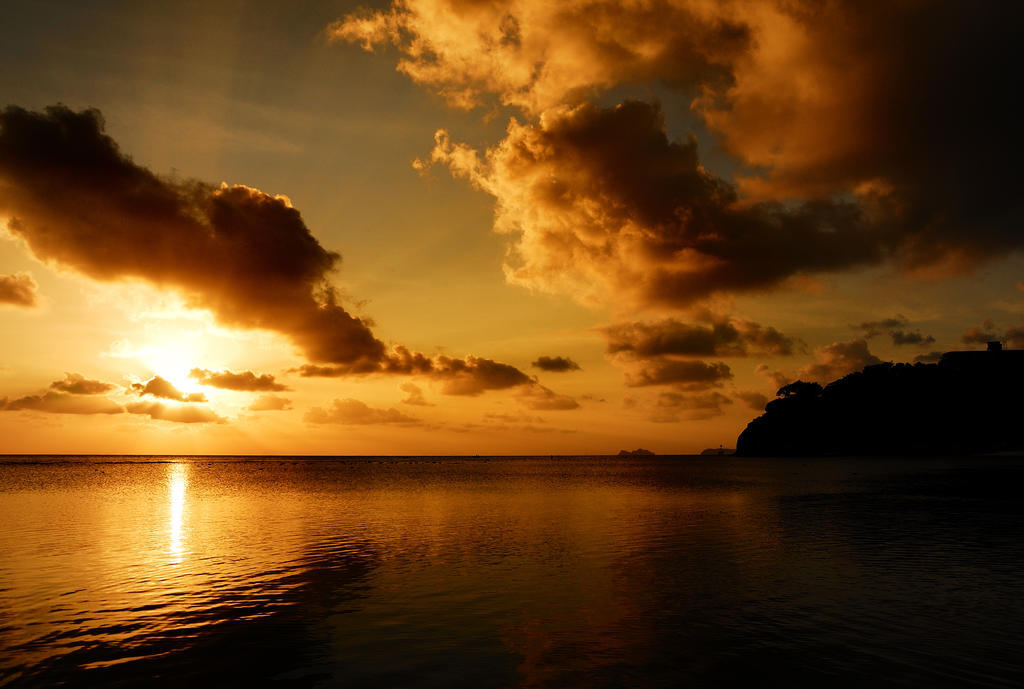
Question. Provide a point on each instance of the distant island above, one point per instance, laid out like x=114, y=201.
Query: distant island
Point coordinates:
x=719, y=451
x=639, y=452
x=970, y=402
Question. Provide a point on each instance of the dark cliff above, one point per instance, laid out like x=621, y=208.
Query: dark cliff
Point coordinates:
x=970, y=402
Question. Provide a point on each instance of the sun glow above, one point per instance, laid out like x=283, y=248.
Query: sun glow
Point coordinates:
x=174, y=361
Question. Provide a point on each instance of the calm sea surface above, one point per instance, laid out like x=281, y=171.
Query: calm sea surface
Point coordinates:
x=568, y=572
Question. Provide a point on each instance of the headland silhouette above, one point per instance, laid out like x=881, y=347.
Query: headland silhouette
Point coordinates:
x=970, y=402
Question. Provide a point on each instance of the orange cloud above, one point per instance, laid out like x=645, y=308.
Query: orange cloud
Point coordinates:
x=673, y=407
x=246, y=381
x=18, y=290
x=537, y=54
x=722, y=336
x=270, y=403
x=685, y=375
x=414, y=395
x=541, y=398
x=54, y=402
x=177, y=413
x=77, y=384
x=161, y=387
x=353, y=412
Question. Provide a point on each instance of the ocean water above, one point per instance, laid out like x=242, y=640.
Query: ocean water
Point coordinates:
x=511, y=572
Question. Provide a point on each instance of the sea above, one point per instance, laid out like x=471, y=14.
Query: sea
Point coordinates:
x=511, y=572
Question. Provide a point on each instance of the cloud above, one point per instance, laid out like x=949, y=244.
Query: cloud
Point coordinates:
x=867, y=97
x=753, y=399
x=1013, y=336
x=875, y=328
x=863, y=101
x=541, y=398
x=513, y=418
x=900, y=337
x=470, y=375
x=831, y=362
x=602, y=206
x=895, y=328
x=247, y=256
x=77, y=201
x=685, y=375
x=246, y=381
x=270, y=403
x=929, y=358
x=353, y=412
x=723, y=337
x=161, y=387
x=536, y=54
x=414, y=395
x=673, y=407
x=77, y=384
x=19, y=290
x=555, y=364
x=836, y=360
x=777, y=378
x=177, y=413
x=56, y=402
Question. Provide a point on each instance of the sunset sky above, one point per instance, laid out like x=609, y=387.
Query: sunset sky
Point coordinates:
x=489, y=227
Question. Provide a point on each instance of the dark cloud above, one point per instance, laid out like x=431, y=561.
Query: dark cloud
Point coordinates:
x=929, y=358
x=471, y=375
x=161, y=387
x=722, y=337
x=414, y=395
x=270, y=403
x=55, y=402
x=673, y=407
x=18, y=290
x=247, y=256
x=354, y=412
x=541, y=398
x=246, y=381
x=77, y=384
x=875, y=328
x=900, y=337
x=555, y=364
x=903, y=109
x=896, y=329
x=753, y=399
x=869, y=97
x=605, y=207
x=686, y=375
x=177, y=413
x=988, y=332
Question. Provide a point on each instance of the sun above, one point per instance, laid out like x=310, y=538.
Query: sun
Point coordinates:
x=173, y=360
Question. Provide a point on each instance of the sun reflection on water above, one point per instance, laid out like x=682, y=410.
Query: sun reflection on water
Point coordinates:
x=177, y=482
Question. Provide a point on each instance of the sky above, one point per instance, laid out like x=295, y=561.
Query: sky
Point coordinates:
x=437, y=227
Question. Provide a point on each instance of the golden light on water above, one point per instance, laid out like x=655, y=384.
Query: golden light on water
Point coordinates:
x=177, y=482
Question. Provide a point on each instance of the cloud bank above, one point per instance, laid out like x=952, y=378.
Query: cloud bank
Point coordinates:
x=868, y=132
